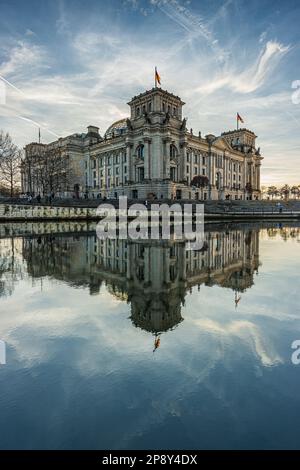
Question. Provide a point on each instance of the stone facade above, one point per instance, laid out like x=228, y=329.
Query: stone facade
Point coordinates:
x=151, y=154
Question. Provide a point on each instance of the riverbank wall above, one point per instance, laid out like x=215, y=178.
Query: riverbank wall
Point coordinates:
x=213, y=211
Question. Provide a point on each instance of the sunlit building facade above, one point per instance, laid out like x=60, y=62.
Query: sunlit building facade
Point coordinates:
x=152, y=154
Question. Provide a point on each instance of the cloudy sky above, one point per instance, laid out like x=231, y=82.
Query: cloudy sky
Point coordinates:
x=65, y=64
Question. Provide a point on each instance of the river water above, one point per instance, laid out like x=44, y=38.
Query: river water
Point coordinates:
x=144, y=345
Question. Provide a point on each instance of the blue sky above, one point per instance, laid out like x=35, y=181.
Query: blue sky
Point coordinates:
x=68, y=64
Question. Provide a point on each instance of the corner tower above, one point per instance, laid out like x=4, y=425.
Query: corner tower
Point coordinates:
x=156, y=103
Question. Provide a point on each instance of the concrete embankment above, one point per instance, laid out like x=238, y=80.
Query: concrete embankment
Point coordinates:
x=214, y=210
x=38, y=212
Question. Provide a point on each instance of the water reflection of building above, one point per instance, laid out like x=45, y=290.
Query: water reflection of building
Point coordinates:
x=154, y=277
x=11, y=269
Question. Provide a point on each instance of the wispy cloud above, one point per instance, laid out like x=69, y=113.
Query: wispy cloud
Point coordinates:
x=92, y=63
x=23, y=59
x=254, y=76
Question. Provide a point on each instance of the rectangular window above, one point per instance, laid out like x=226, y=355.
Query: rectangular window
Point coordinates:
x=203, y=160
x=187, y=169
x=203, y=171
x=125, y=169
x=195, y=170
x=196, y=158
x=117, y=170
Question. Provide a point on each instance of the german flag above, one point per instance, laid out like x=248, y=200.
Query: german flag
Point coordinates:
x=239, y=118
x=157, y=77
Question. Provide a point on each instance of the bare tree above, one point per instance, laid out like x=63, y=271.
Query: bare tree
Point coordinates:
x=49, y=170
x=10, y=163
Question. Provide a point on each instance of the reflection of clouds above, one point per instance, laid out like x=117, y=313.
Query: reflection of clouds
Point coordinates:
x=246, y=331
x=87, y=345
x=42, y=318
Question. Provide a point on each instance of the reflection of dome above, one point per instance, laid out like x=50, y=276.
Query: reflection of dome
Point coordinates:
x=155, y=314
x=117, y=128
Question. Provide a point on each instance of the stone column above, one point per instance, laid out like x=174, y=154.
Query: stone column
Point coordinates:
x=182, y=173
x=113, y=174
x=211, y=172
x=244, y=174
x=251, y=174
x=147, y=163
x=258, y=176
x=166, y=157
x=122, y=168
x=129, y=161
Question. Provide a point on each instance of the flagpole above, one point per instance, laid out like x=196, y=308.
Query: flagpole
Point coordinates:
x=155, y=78
x=237, y=121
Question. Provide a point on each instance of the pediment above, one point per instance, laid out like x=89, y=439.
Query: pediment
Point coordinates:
x=222, y=144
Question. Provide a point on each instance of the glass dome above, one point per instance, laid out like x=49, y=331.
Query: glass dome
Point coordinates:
x=116, y=129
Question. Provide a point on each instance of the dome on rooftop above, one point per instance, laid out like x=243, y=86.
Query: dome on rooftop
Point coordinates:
x=117, y=128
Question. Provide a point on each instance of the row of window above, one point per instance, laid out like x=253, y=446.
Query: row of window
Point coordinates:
x=147, y=107
x=197, y=158
x=110, y=160
x=173, y=152
x=170, y=109
x=109, y=171
x=196, y=170
x=110, y=183
x=219, y=161
x=140, y=110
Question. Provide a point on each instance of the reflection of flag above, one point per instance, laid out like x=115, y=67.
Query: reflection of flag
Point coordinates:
x=157, y=77
x=156, y=344
x=237, y=299
x=239, y=118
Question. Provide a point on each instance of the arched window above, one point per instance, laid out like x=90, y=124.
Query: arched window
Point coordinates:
x=149, y=106
x=140, y=151
x=137, y=111
x=144, y=108
x=173, y=151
